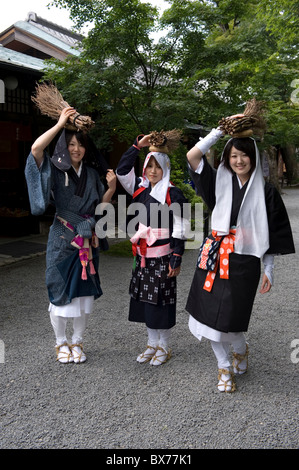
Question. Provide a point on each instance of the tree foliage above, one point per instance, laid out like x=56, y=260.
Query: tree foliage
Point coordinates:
x=124, y=75
x=198, y=61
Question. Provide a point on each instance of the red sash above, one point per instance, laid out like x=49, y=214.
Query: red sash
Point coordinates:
x=226, y=247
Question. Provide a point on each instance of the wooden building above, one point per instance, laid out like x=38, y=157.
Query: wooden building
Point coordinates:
x=23, y=48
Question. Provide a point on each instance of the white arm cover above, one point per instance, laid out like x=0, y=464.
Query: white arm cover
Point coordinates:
x=181, y=228
x=200, y=167
x=127, y=181
x=206, y=143
x=268, y=261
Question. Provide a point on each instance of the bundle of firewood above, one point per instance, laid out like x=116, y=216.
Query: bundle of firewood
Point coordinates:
x=50, y=103
x=252, y=121
x=164, y=141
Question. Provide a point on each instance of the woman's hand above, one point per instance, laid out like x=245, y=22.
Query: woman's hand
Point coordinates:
x=266, y=285
x=66, y=113
x=173, y=272
x=45, y=139
x=144, y=142
x=235, y=116
x=111, y=179
x=111, y=182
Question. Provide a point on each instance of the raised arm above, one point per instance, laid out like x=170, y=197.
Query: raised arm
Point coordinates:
x=195, y=154
x=111, y=182
x=125, y=169
x=128, y=158
x=45, y=139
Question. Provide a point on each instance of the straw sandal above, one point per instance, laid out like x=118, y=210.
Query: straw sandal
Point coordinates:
x=240, y=360
x=78, y=354
x=64, y=354
x=159, y=359
x=226, y=381
x=146, y=355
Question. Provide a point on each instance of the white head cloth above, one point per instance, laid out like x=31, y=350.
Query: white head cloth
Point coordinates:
x=252, y=232
x=159, y=191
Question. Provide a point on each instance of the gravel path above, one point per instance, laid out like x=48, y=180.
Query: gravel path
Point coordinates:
x=112, y=402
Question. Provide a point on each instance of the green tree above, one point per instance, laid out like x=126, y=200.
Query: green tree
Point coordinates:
x=124, y=75
x=249, y=50
x=199, y=61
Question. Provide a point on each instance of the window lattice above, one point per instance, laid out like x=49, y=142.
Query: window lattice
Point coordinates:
x=16, y=101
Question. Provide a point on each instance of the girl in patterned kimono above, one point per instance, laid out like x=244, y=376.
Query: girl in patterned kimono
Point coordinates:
x=158, y=246
x=250, y=222
x=69, y=182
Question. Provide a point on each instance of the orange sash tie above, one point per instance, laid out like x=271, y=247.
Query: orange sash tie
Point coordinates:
x=226, y=247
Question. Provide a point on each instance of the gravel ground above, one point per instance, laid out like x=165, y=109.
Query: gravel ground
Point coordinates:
x=112, y=402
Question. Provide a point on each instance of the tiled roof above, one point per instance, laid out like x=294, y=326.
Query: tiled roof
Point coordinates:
x=11, y=57
x=47, y=37
x=59, y=32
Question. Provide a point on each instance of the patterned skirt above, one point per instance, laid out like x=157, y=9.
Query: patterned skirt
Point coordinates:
x=153, y=294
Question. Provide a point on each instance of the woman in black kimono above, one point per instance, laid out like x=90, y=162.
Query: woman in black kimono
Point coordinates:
x=250, y=222
x=70, y=181
x=158, y=246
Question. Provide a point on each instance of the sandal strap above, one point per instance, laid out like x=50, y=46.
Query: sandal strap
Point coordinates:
x=149, y=347
x=78, y=353
x=225, y=383
x=148, y=355
x=238, y=358
x=66, y=355
x=80, y=345
x=168, y=355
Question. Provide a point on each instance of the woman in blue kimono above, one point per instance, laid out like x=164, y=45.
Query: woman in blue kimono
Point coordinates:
x=68, y=181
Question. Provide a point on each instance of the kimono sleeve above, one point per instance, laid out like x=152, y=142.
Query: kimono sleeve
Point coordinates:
x=181, y=226
x=39, y=184
x=205, y=183
x=125, y=170
x=280, y=232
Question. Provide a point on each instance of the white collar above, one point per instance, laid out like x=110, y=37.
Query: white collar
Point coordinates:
x=79, y=171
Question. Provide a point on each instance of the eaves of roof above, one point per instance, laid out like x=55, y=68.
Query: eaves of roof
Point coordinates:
x=10, y=57
x=43, y=36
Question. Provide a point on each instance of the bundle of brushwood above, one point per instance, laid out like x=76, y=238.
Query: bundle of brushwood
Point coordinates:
x=251, y=122
x=50, y=103
x=164, y=141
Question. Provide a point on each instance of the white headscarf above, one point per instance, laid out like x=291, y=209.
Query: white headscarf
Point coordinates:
x=159, y=191
x=252, y=234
